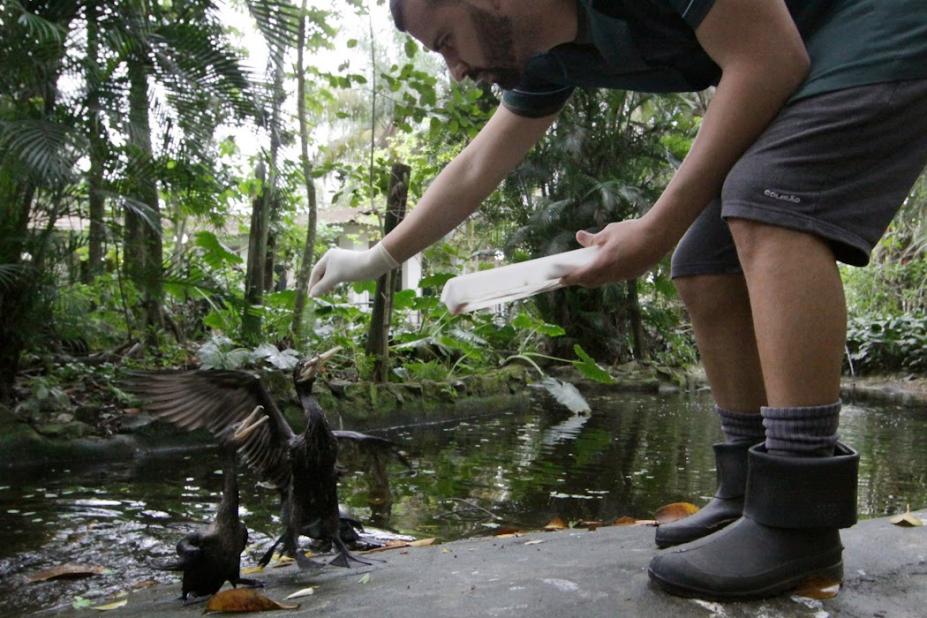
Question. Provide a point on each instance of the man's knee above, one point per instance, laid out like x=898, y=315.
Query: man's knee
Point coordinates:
x=711, y=296
x=760, y=244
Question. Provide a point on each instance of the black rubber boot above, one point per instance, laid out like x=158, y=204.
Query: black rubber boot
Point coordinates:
x=725, y=508
x=789, y=531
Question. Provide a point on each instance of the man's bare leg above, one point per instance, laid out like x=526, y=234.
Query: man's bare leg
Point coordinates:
x=799, y=312
x=719, y=308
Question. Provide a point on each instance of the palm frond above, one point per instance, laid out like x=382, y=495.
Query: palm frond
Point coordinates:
x=278, y=21
x=40, y=146
x=10, y=273
x=44, y=31
x=199, y=67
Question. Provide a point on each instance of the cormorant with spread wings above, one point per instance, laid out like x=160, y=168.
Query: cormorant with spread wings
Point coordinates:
x=300, y=465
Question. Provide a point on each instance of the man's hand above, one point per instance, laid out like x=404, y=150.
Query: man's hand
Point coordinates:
x=627, y=249
x=339, y=265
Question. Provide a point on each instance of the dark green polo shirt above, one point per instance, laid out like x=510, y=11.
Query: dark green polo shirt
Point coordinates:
x=650, y=46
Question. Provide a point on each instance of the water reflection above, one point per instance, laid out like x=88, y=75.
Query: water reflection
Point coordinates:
x=632, y=455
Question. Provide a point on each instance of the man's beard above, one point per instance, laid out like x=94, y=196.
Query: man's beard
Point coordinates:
x=496, y=36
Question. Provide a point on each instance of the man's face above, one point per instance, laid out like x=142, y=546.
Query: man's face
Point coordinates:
x=475, y=40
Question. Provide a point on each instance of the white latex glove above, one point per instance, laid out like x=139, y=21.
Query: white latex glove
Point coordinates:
x=339, y=265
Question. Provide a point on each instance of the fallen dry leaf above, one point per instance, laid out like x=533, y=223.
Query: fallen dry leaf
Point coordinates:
x=592, y=525
x=907, y=520
x=66, y=571
x=506, y=531
x=282, y=561
x=111, y=606
x=819, y=588
x=244, y=600
x=145, y=583
x=423, y=542
x=674, y=512
x=305, y=592
x=387, y=546
x=556, y=523
x=624, y=521
x=251, y=570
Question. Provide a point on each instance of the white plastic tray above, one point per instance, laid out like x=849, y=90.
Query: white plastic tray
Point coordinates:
x=486, y=288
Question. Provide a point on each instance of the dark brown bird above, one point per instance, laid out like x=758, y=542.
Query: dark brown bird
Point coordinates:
x=301, y=466
x=211, y=557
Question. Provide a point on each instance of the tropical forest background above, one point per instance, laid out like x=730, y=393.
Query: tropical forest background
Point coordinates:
x=166, y=167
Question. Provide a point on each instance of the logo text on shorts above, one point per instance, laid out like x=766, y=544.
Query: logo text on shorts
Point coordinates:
x=782, y=196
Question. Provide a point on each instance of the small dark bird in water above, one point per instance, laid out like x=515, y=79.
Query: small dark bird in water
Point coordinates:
x=301, y=466
x=211, y=557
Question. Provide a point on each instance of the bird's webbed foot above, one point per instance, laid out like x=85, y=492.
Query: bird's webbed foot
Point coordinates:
x=194, y=599
x=345, y=558
x=248, y=583
x=305, y=563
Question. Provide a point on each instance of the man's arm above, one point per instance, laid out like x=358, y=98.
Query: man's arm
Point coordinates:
x=467, y=180
x=763, y=59
x=455, y=193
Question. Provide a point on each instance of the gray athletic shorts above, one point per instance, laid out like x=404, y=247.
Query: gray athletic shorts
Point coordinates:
x=838, y=165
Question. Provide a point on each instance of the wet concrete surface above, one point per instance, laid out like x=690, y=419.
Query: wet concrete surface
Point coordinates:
x=574, y=572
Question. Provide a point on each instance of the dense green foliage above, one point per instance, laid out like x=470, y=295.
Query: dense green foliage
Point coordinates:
x=124, y=179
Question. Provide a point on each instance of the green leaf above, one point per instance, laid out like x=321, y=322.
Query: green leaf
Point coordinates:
x=215, y=253
x=404, y=299
x=587, y=366
x=410, y=47
x=436, y=280
x=364, y=286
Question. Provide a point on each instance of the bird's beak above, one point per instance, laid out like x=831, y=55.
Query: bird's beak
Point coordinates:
x=314, y=366
x=247, y=426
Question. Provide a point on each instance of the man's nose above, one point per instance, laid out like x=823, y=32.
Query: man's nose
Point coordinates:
x=458, y=70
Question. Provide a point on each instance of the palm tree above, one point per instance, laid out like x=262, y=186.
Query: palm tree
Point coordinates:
x=145, y=65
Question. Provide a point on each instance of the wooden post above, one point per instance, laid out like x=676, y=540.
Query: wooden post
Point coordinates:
x=378, y=336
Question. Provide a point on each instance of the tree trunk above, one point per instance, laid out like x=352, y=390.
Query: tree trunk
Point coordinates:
x=637, y=324
x=305, y=267
x=97, y=149
x=17, y=295
x=378, y=337
x=146, y=232
x=257, y=249
x=262, y=213
x=269, y=256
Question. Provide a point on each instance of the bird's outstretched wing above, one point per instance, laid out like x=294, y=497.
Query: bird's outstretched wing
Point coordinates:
x=220, y=401
x=365, y=440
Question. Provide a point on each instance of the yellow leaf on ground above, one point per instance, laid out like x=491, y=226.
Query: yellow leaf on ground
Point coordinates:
x=423, y=542
x=907, y=520
x=244, y=600
x=110, y=606
x=282, y=561
x=556, y=523
x=251, y=570
x=66, y=571
x=819, y=588
x=674, y=512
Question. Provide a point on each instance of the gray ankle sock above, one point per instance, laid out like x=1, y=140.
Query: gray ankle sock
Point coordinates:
x=741, y=426
x=802, y=432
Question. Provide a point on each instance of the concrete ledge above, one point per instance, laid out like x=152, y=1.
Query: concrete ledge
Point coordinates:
x=571, y=573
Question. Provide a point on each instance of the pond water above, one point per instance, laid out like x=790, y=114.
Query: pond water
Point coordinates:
x=633, y=454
